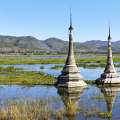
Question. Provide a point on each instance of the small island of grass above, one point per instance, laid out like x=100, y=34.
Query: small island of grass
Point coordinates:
x=16, y=76
x=57, y=67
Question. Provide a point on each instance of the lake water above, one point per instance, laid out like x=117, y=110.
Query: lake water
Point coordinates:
x=88, y=73
x=90, y=101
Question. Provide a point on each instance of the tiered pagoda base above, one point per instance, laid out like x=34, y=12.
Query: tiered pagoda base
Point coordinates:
x=71, y=78
x=108, y=78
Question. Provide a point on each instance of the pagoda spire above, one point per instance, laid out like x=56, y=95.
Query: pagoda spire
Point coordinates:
x=70, y=76
x=70, y=57
x=71, y=27
x=109, y=66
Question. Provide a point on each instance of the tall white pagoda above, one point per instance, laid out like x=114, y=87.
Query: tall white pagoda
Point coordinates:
x=70, y=76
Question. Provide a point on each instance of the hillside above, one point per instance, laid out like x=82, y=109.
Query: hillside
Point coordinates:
x=31, y=44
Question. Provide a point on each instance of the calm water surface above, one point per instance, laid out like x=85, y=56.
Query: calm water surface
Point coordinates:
x=90, y=101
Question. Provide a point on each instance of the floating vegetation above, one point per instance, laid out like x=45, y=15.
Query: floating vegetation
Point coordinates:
x=91, y=82
x=105, y=114
x=57, y=67
x=11, y=75
x=42, y=67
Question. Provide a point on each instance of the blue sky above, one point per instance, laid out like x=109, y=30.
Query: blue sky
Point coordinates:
x=50, y=18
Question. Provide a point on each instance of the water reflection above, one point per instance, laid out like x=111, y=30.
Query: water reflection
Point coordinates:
x=110, y=94
x=101, y=103
x=92, y=103
x=70, y=98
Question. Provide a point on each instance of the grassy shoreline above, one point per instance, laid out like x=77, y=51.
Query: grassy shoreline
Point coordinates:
x=97, y=61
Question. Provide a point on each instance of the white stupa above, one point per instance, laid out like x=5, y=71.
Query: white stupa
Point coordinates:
x=110, y=75
x=70, y=75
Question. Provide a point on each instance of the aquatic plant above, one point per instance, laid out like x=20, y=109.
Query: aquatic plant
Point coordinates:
x=71, y=108
x=11, y=75
x=26, y=110
x=41, y=67
x=91, y=82
x=96, y=61
x=105, y=114
x=60, y=114
x=57, y=67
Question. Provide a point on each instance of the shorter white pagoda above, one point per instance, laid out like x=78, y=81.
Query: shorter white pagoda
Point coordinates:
x=110, y=75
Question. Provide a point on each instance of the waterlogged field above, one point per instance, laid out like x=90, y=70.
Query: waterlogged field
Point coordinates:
x=27, y=90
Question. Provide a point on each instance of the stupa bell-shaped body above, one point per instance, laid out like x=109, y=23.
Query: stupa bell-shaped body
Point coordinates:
x=110, y=75
x=70, y=76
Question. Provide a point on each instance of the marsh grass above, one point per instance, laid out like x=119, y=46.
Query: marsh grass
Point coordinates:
x=26, y=110
x=57, y=67
x=71, y=108
x=41, y=67
x=17, y=76
x=11, y=75
x=60, y=114
x=42, y=109
x=105, y=114
x=95, y=112
x=35, y=110
x=96, y=61
x=91, y=82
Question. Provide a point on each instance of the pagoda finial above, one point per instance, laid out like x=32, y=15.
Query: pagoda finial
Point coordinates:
x=109, y=66
x=70, y=28
x=109, y=36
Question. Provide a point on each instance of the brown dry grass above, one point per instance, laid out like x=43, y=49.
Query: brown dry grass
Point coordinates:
x=31, y=110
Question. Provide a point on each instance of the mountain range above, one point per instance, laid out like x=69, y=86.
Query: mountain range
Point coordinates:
x=55, y=45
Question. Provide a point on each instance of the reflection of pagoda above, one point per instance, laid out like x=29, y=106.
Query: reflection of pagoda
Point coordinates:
x=70, y=97
x=70, y=76
x=110, y=75
x=110, y=96
x=70, y=93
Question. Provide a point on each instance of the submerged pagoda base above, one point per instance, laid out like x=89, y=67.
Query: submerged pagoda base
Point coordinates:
x=72, y=84
x=72, y=79
x=108, y=78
